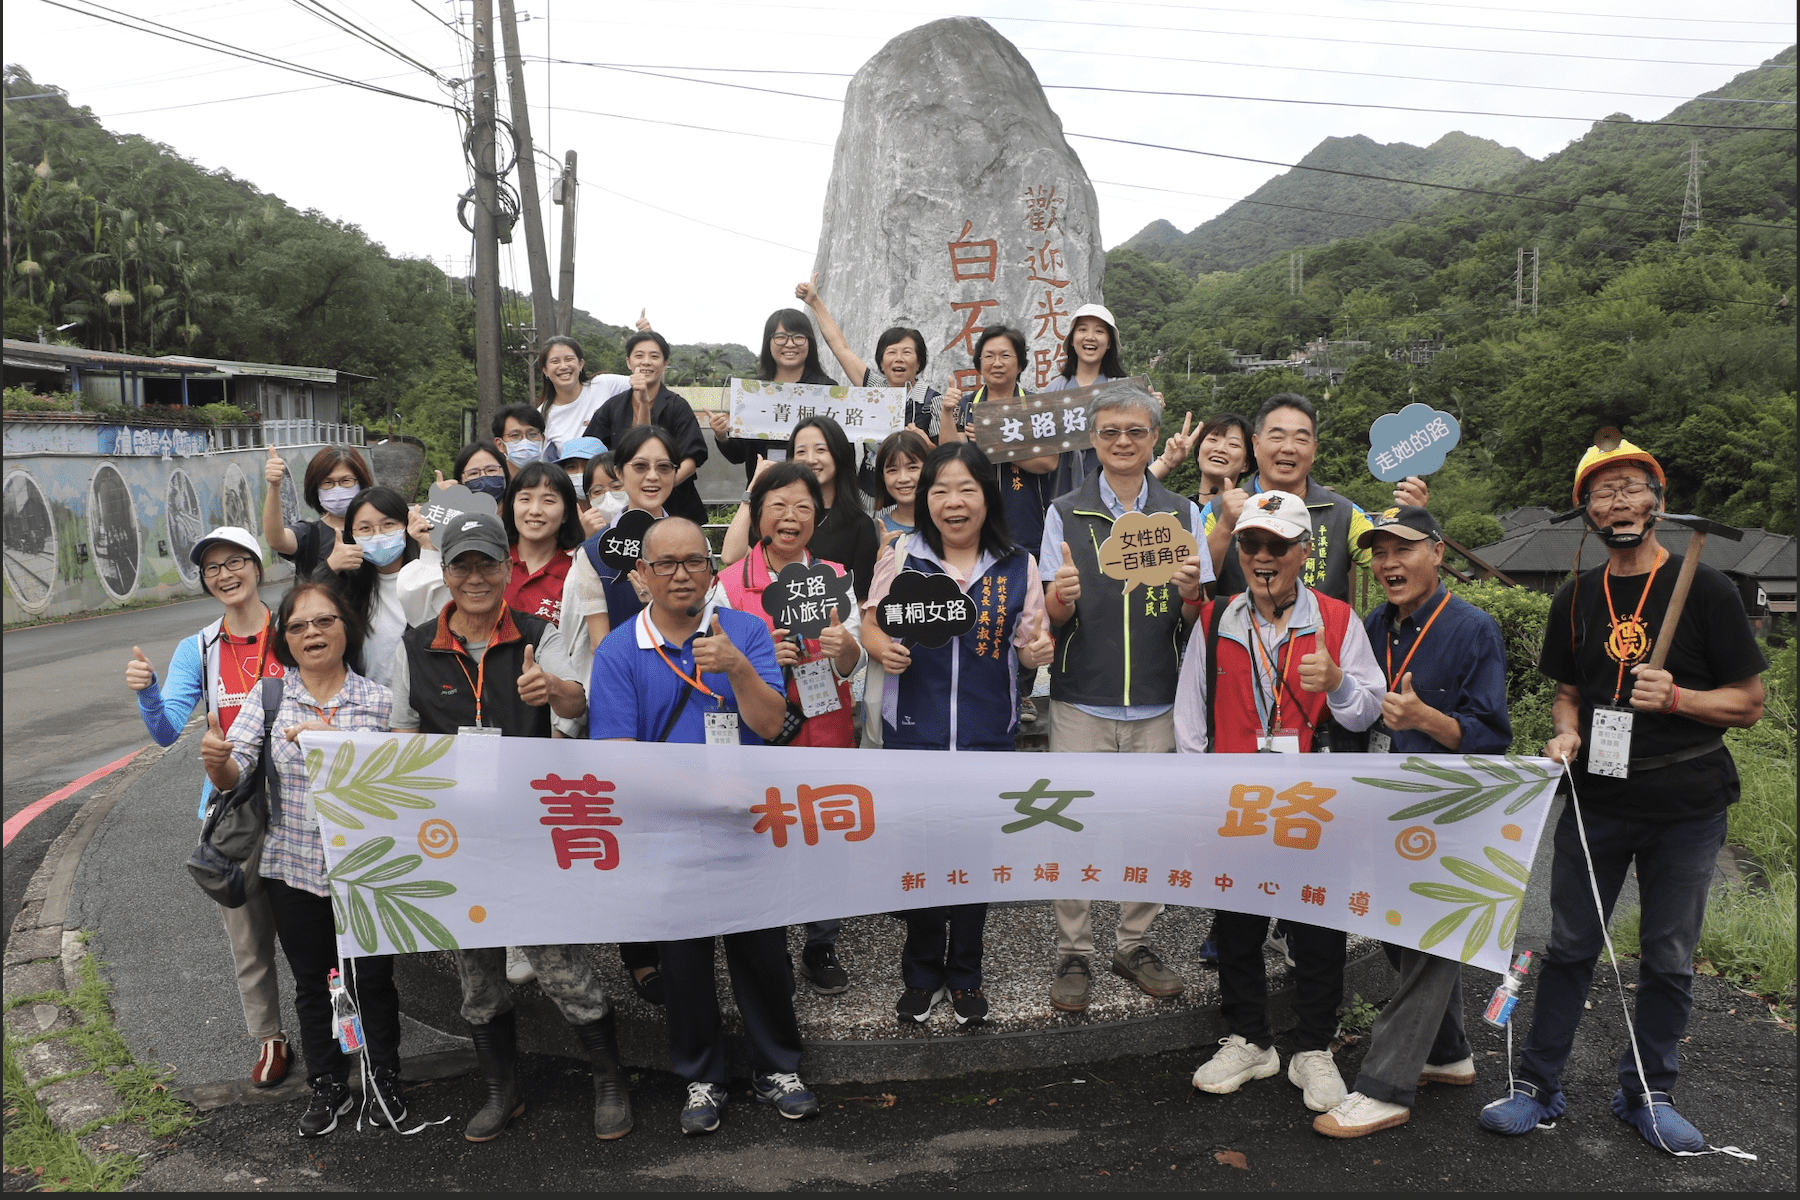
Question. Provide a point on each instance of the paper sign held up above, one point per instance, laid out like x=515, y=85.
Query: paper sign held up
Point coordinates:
x=1039, y=424
x=1146, y=548
x=1413, y=441
x=767, y=410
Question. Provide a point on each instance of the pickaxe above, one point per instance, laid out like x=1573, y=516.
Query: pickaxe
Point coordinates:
x=1699, y=527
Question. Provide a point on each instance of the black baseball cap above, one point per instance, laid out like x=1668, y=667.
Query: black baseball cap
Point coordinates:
x=1408, y=521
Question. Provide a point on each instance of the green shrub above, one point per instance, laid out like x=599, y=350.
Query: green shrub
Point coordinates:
x=220, y=414
x=1521, y=615
x=1474, y=529
x=24, y=400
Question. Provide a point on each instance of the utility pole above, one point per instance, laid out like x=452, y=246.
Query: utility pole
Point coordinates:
x=543, y=304
x=1519, y=281
x=1690, y=203
x=565, y=196
x=488, y=341
x=1534, y=280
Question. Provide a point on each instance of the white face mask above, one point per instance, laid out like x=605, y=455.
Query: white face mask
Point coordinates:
x=575, y=478
x=611, y=505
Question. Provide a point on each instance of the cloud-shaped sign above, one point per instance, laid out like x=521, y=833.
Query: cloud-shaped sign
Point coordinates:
x=447, y=503
x=802, y=598
x=926, y=609
x=623, y=544
x=1146, y=548
x=1413, y=441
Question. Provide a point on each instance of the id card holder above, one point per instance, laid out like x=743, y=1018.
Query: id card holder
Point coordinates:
x=478, y=730
x=818, y=691
x=721, y=728
x=1380, y=740
x=1609, y=743
x=1280, y=741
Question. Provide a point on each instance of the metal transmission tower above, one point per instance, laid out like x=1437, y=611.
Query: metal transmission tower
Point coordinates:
x=1519, y=285
x=1296, y=271
x=1690, y=204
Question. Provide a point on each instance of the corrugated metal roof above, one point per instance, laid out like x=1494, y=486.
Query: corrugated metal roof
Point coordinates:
x=1549, y=549
x=39, y=354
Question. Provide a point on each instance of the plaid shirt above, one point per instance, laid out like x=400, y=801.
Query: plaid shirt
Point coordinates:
x=293, y=852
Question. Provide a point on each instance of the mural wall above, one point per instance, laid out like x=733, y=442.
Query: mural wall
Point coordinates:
x=86, y=533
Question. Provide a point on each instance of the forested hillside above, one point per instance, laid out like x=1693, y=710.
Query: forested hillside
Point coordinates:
x=1687, y=345
x=146, y=252
x=1301, y=207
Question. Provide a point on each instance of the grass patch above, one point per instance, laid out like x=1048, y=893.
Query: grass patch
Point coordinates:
x=33, y=1143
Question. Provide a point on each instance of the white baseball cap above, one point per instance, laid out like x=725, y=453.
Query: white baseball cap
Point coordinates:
x=236, y=535
x=1094, y=310
x=1281, y=513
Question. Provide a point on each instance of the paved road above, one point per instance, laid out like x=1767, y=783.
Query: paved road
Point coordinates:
x=68, y=711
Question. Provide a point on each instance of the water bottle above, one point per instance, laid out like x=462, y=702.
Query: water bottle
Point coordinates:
x=1506, y=997
x=346, y=1020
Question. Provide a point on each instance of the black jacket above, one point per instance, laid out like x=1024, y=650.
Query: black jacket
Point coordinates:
x=443, y=674
x=671, y=411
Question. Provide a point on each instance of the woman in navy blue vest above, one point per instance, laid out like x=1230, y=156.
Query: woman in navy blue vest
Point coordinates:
x=962, y=695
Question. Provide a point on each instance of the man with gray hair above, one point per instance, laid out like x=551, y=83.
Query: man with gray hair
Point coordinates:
x=1112, y=682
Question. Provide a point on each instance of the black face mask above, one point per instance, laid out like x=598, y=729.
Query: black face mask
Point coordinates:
x=488, y=485
x=1620, y=541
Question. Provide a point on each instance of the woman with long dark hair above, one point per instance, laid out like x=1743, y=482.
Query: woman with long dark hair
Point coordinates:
x=567, y=393
x=376, y=527
x=962, y=533
x=790, y=354
x=648, y=402
x=845, y=532
x=899, y=361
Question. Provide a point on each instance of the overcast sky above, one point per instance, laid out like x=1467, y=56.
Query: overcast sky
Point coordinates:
x=395, y=167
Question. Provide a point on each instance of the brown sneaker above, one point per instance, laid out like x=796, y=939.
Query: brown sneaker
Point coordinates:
x=1146, y=970
x=1073, y=985
x=272, y=1063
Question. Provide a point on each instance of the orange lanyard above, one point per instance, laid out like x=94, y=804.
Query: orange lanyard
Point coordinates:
x=1417, y=642
x=324, y=716
x=690, y=679
x=1279, y=676
x=1612, y=617
x=261, y=658
x=480, y=679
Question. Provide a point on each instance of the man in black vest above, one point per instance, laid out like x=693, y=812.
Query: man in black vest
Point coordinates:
x=479, y=669
x=1112, y=683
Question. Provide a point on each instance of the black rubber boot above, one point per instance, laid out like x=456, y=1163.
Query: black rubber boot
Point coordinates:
x=497, y=1055
x=612, y=1095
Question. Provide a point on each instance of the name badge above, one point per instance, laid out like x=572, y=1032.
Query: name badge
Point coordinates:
x=1609, y=742
x=1280, y=741
x=478, y=730
x=818, y=690
x=1380, y=740
x=721, y=729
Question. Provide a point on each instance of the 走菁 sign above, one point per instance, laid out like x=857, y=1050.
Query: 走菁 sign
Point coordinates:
x=439, y=841
x=767, y=410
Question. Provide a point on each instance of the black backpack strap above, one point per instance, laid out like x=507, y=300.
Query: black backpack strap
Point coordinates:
x=1212, y=669
x=687, y=694
x=271, y=703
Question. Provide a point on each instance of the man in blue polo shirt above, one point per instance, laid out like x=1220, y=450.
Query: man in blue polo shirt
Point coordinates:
x=661, y=679
x=1445, y=664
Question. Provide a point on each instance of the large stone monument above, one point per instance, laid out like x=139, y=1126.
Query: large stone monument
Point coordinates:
x=955, y=203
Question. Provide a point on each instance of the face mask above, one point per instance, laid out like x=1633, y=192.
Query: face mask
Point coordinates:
x=487, y=485
x=383, y=548
x=575, y=478
x=524, y=452
x=336, y=501
x=611, y=506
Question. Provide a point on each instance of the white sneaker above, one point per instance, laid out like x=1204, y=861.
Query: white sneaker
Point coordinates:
x=1236, y=1064
x=1315, y=1073
x=1461, y=1073
x=518, y=967
x=1359, y=1115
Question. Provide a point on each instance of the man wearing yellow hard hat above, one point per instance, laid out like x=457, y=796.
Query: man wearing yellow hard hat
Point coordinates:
x=1650, y=772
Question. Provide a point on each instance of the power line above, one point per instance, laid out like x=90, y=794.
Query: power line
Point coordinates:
x=446, y=24
x=1448, y=187
x=1552, y=13
x=318, y=9
x=770, y=137
x=201, y=42
x=696, y=220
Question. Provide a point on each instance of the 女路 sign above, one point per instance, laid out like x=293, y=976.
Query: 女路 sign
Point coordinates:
x=441, y=842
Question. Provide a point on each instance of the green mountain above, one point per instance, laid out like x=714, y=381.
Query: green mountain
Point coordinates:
x=1683, y=339
x=1300, y=208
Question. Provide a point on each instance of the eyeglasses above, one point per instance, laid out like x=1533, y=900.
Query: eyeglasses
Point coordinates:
x=799, y=512
x=324, y=624
x=525, y=435
x=789, y=339
x=1631, y=491
x=597, y=494
x=369, y=531
x=638, y=466
x=1137, y=433
x=1255, y=546
x=236, y=562
x=488, y=472
x=460, y=570
x=340, y=481
x=699, y=564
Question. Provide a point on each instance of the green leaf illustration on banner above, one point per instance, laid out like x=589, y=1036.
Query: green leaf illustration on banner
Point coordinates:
x=1457, y=795
x=387, y=780
x=362, y=869
x=1483, y=901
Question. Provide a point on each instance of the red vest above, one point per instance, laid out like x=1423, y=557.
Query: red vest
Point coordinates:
x=1237, y=723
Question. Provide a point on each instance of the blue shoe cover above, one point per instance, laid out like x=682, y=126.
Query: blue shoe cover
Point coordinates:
x=1659, y=1123
x=1522, y=1111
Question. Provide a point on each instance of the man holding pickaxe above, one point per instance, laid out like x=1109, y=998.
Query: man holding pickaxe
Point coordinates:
x=1653, y=657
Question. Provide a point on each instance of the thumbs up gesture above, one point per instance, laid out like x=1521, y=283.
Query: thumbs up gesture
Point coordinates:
x=1039, y=650
x=807, y=291
x=643, y=321
x=215, y=748
x=714, y=653
x=1403, y=709
x=534, y=684
x=1066, y=587
x=138, y=672
x=273, y=467
x=835, y=640
x=1318, y=673
x=344, y=556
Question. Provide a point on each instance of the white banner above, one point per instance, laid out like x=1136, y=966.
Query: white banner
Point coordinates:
x=483, y=841
x=768, y=410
